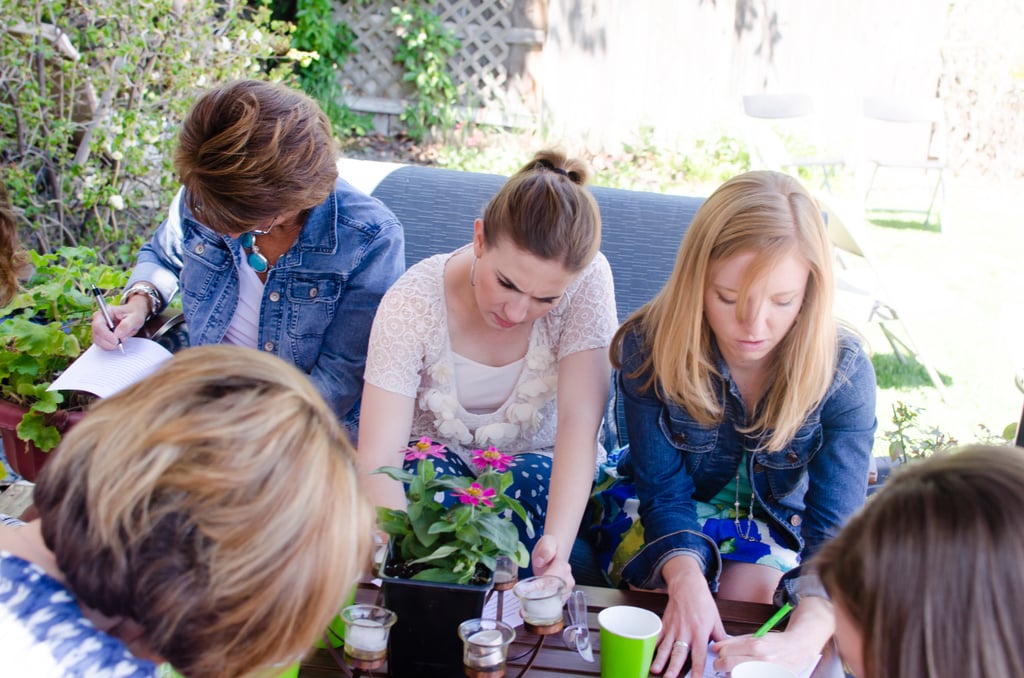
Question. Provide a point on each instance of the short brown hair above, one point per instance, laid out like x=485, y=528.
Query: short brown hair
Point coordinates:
x=249, y=151
x=216, y=505
x=930, y=570
x=545, y=210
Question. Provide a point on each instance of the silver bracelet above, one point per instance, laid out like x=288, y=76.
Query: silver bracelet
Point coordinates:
x=156, y=301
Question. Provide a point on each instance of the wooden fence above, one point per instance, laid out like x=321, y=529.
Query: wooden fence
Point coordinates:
x=491, y=69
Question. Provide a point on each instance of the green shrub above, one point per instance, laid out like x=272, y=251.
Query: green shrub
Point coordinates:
x=91, y=97
x=45, y=327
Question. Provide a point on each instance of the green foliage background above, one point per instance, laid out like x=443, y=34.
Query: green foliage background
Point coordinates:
x=91, y=97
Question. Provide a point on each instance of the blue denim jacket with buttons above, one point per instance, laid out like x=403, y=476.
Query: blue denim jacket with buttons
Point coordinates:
x=807, y=490
x=319, y=299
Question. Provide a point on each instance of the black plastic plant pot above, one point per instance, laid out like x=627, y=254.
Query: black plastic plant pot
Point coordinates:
x=424, y=642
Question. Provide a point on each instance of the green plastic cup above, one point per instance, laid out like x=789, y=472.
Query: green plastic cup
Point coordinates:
x=628, y=637
x=336, y=629
x=166, y=671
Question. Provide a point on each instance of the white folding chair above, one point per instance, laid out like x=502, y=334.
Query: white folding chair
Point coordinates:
x=778, y=118
x=904, y=134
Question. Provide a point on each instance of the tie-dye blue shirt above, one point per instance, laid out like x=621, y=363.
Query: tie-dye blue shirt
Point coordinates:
x=44, y=633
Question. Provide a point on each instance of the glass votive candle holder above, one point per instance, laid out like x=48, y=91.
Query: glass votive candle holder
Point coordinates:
x=506, y=573
x=541, y=601
x=485, y=646
x=366, y=635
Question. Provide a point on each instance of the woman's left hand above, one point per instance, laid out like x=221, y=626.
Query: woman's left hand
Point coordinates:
x=547, y=560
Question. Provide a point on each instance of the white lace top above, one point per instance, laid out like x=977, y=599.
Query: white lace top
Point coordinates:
x=410, y=354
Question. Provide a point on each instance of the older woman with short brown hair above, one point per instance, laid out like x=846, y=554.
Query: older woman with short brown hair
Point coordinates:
x=267, y=246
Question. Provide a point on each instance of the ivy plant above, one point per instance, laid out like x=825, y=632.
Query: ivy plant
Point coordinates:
x=45, y=327
x=329, y=44
x=426, y=45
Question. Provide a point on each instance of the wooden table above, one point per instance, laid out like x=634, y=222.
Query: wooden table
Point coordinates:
x=554, y=659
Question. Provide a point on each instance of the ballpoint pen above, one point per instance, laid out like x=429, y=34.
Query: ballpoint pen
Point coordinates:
x=775, y=619
x=106, y=314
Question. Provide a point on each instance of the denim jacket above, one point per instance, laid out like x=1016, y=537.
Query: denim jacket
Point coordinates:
x=319, y=298
x=807, y=490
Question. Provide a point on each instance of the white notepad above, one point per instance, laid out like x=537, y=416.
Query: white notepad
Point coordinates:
x=104, y=373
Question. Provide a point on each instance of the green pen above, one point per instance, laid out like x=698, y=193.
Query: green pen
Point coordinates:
x=775, y=619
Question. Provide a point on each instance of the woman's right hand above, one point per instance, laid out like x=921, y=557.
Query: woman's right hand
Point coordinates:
x=128, y=320
x=690, y=617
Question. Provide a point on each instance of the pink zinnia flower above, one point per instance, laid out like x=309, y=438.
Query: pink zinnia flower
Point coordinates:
x=423, y=448
x=491, y=458
x=476, y=495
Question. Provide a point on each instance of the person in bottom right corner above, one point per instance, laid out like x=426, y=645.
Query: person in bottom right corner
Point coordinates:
x=927, y=580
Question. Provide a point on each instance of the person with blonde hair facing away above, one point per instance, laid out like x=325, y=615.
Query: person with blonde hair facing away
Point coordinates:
x=175, y=525
x=503, y=343
x=750, y=418
x=926, y=580
x=268, y=247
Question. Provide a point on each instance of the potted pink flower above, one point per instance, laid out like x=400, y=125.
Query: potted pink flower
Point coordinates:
x=443, y=550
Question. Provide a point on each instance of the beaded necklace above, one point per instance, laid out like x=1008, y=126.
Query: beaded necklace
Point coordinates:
x=736, y=505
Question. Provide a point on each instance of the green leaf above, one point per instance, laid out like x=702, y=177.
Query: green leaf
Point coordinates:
x=437, y=554
x=443, y=526
x=502, y=533
x=33, y=427
x=443, y=576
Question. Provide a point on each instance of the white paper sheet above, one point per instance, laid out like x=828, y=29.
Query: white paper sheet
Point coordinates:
x=709, y=669
x=510, y=609
x=104, y=373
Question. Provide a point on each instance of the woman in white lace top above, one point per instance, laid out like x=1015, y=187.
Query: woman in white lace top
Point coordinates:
x=475, y=347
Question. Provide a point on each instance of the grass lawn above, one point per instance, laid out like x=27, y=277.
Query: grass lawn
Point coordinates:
x=960, y=291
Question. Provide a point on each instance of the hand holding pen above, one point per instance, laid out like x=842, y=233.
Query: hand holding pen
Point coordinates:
x=106, y=315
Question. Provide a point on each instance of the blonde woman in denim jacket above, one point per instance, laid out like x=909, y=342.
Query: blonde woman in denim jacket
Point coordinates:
x=751, y=420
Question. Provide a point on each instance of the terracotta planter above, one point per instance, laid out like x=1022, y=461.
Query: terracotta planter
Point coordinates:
x=24, y=457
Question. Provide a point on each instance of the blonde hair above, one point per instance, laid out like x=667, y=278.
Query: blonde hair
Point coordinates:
x=216, y=505
x=545, y=210
x=930, y=569
x=771, y=215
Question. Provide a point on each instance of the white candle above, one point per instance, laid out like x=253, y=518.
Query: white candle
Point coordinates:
x=485, y=649
x=501, y=577
x=366, y=639
x=542, y=611
x=505, y=570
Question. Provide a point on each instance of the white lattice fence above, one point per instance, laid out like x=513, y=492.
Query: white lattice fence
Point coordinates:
x=488, y=70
